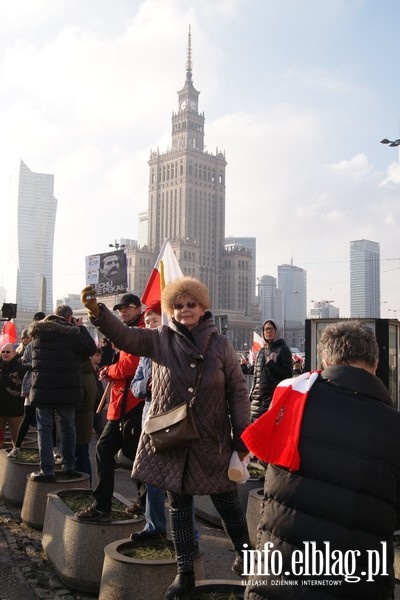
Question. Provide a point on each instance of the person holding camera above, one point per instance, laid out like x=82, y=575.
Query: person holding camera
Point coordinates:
x=59, y=344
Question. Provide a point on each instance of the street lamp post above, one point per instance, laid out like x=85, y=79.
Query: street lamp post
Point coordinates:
x=391, y=143
x=117, y=246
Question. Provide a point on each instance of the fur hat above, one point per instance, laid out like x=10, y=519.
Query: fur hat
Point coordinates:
x=185, y=286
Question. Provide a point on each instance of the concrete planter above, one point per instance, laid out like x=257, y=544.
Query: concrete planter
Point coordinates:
x=124, y=577
x=35, y=498
x=13, y=474
x=75, y=549
x=206, y=510
x=221, y=586
x=253, y=513
x=396, y=563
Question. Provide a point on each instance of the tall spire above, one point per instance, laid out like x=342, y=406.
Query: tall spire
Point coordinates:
x=189, y=58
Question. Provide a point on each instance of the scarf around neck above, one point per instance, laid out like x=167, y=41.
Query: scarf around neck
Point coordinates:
x=274, y=437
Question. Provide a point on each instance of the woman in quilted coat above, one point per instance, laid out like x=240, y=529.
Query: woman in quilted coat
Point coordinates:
x=221, y=412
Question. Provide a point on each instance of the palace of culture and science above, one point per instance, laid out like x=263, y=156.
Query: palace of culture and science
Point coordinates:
x=186, y=205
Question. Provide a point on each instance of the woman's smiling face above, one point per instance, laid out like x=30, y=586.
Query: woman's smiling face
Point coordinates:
x=188, y=311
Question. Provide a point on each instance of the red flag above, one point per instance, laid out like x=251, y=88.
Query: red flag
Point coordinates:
x=165, y=270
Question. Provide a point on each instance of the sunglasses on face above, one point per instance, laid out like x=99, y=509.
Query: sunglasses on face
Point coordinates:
x=6, y=351
x=179, y=305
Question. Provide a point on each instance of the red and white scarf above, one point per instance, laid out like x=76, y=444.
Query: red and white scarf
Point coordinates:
x=274, y=437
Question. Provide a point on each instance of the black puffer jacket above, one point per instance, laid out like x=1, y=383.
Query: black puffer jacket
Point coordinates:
x=11, y=375
x=268, y=373
x=346, y=493
x=58, y=348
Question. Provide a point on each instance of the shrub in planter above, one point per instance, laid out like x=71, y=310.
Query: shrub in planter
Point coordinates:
x=74, y=548
x=218, y=589
x=35, y=498
x=132, y=565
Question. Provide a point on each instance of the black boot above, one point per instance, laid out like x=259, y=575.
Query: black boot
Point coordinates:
x=182, y=586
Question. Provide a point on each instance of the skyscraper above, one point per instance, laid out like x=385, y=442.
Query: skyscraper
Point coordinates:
x=270, y=299
x=187, y=191
x=292, y=281
x=33, y=215
x=365, y=279
x=143, y=229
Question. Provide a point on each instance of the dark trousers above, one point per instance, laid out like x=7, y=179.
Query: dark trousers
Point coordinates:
x=83, y=464
x=108, y=445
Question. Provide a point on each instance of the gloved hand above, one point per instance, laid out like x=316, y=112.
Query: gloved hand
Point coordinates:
x=88, y=299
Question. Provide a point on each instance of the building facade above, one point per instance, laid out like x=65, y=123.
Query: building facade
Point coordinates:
x=323, y=309
x=33, y=216
x=251, y=244
x=186, y=202
x=365, y=279
x=270, y=299
x=292, y=281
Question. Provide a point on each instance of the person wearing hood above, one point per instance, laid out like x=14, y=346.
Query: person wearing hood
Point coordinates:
x=273, y=363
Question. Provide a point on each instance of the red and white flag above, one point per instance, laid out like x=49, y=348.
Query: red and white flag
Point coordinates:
x=257, y=344
x=274, y=437
x=165, y=270
x=8, y=333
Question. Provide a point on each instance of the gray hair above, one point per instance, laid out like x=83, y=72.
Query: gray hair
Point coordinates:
x=63, y=310
x=347, y=342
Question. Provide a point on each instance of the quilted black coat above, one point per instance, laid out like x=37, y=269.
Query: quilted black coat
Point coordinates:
x=346, y=493
x=221, y=409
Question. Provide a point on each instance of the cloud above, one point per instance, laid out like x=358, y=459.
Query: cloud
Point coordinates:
x=88, y=89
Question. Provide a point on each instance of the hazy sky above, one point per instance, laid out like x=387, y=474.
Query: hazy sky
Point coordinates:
x=298, y=93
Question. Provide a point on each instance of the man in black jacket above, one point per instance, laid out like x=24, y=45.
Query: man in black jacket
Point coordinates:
x=328, y=521
x=59, y=343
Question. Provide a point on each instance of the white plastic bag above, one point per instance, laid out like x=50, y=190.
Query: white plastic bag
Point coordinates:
x=237, y=470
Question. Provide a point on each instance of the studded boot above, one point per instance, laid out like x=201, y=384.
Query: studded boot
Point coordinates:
x=182, y=586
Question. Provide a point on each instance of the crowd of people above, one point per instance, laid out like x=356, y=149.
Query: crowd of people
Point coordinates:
x=327, y=439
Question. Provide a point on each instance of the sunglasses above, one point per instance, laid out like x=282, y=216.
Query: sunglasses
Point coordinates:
x=179, y=306
x=6, y=351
